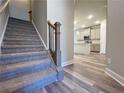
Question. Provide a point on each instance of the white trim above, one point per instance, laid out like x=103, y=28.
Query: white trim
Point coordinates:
x=39, y=34
x=4, y=29
x=115, y=76
x=66, y=63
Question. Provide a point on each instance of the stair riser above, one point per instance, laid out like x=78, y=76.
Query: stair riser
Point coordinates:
x=21, y=34
x=14, y=40
x=21, y=47
x=13, y=36
x=20, y=26
x=28, y=32
x=23, y=71
x=18, y=22
x=22, y=43
x=23, y=39
x=38, y=84
x=21, y=50
x=20, y=29
x=23, y=58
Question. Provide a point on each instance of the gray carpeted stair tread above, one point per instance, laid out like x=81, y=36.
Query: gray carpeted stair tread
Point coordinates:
x=26, y=80
x=14, y=21
x=20, y=54
x=19, y=21
x=22, y=57
x=10, y=67
x=20, y=34
x=21, y=38
x=11, y=71
x=8, y=51
x=17, y=28
x=21, y=43
x=14, y=30
x=21, y=46
x=21, y=50
x=20, y=25
x=31, y=39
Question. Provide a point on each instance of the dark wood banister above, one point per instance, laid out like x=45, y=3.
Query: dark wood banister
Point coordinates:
x=50, y=24
x=56, y=54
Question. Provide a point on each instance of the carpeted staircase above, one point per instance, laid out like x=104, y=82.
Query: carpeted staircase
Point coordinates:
x=25, y=64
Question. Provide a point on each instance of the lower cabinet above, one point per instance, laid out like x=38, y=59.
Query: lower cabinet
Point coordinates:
x=95, y=48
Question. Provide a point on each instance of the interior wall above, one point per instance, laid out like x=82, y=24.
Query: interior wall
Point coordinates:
x=3, y=18
x=63, y=12
x=103, y=37
x=39, y=8
x=19, y=9
x=115, y=36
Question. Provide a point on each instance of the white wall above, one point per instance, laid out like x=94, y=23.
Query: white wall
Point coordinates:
x=3, y=19
x=103, y=37
x=39, y=8
x=63, y=11
x=19, y=9
x=115, y=36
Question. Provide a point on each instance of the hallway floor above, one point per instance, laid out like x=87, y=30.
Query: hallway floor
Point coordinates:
x=86, y=75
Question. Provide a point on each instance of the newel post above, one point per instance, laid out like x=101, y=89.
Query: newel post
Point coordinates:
x=60, y=74
x=57, y=44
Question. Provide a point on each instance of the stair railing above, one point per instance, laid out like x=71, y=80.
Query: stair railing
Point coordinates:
x=54, y=42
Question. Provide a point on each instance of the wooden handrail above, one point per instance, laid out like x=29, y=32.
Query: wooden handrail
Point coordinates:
x=4, y=5
x=50, y=24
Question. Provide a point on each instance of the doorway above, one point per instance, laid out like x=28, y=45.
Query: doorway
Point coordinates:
x=90, y=29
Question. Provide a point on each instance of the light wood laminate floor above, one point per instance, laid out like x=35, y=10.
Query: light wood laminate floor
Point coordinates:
x=86, y=75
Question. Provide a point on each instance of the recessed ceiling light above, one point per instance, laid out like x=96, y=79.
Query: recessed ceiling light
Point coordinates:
x=83, y=26
x=97, y=22
x=75, y=22
x=78, y=33
x=75, y=28
x=90, y=17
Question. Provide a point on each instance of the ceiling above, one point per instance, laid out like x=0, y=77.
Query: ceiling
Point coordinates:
x=84, y=8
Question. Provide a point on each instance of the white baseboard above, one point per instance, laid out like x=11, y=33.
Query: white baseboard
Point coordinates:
x=39, y=34
x=70, y=62
x=115, y=76
x=4, y=29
